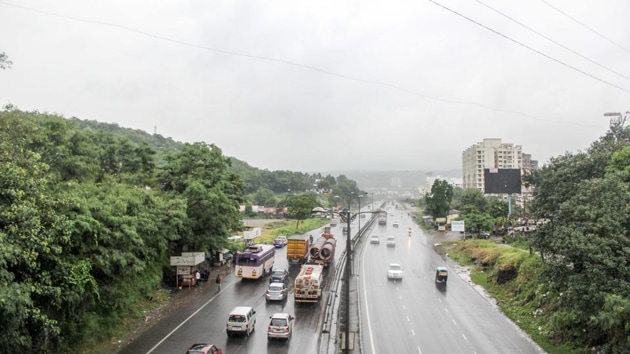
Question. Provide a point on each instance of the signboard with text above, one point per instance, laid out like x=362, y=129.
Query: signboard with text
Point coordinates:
x=458, y=225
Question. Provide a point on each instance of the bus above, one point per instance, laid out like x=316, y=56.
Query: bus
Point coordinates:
x=255, y=262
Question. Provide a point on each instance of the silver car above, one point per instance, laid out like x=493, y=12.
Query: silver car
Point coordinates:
x=280, y=326
x=395, y=271
x=391, y=241
x=277, y=292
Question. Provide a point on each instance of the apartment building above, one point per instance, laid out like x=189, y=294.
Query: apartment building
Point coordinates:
x=491, y=153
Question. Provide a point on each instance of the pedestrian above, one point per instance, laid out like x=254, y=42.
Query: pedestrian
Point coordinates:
x=197, y=277
x=219, y=279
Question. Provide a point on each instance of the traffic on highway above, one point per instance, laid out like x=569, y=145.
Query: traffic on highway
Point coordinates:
x=399, y=296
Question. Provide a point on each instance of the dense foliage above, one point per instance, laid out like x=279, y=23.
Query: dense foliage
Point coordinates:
x=88, y=221
x=586, y=243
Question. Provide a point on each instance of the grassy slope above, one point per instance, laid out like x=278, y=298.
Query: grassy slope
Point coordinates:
x=522, y=298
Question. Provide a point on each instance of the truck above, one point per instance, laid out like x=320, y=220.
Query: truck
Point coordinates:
x=440, y=224
x=298, y=247
x=382, y=218
x=322, y=251
x=309, y=283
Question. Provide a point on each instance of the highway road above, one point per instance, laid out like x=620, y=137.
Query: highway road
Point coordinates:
x=203, y=319
x=408, y=316
x=412, y=315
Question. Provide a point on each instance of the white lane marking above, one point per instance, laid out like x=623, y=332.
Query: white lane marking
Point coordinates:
x=404, y=307
x=463, y=335
x=188, y=318
x=439, y=300
x=455, y=323
x=408, y=320
x=367, y=307
x=413, y=333
x=445, y=309
x=419, y=351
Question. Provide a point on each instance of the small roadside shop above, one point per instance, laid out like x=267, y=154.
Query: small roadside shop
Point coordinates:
x=186, y=266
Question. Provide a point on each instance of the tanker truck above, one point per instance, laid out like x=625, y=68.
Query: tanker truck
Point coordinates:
x=323, y=250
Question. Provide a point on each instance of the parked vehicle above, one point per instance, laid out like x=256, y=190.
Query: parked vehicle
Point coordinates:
x=279, y=275
x=203, y=348
x=298, y=247
x=242, y=319
x=280, y=326
x=280, y=242
x=309, y=282
x=277, y=292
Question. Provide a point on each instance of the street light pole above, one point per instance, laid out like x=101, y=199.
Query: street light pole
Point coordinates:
x=347, y=276
x=360, y=196
x=347, y=217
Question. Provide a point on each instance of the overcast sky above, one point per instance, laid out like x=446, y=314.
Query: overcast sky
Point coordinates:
x=327, y=85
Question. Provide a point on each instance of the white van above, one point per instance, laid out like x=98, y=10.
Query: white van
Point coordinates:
x=242, y=319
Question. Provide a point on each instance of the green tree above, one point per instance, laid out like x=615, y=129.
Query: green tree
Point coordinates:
x=439, y=200
x=265, y=196
x=34, y=274
x=200, y=174
x=472, y=199
x=5, y=63
x=301, y=207
x=586, y=241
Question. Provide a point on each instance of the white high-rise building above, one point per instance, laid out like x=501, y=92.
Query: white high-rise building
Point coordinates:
x=490, y=153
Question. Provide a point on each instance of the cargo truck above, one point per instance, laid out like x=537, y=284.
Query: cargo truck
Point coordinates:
x=298, y=247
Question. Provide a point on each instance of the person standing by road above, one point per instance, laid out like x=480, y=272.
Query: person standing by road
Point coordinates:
x=219, y=280
x=197, y=277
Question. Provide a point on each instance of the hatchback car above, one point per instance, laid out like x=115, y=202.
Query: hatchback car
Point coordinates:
x=394, y=271
x=280, y=241
x=277, y=292
x=279, y=275
x=203, y=348
x=391, y=241
x=395, y=224
x=280, y=326
x=374, y=239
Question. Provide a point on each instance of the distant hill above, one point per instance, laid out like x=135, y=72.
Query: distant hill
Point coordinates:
x=394, y=180
x=366, y=180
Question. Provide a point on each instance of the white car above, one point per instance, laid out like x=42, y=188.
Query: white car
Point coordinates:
x=280, y=326
x=395, y=271
x=395, y=224
x=374, y=239
x=391, y=241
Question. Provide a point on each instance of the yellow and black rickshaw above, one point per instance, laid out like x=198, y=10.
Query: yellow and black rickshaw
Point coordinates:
x=441, y=276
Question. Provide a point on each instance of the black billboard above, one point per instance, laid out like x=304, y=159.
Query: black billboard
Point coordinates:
x=502, y=180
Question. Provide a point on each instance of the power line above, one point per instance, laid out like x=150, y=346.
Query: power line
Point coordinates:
x=295, y=64
x=530, y=48
x=587, y=27
x=551, y=40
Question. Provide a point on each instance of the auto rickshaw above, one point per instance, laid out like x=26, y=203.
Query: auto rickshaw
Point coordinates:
x=441, y=276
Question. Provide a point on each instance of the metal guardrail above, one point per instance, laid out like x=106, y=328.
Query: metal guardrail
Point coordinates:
x=332, y=304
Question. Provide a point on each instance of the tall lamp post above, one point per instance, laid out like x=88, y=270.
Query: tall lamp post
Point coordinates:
x=360, y=197
x=346, y=216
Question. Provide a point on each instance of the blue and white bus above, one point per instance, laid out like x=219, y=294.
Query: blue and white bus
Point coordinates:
x=254, y=262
